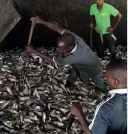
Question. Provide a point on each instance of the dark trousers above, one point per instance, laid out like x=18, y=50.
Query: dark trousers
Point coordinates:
x=84, y=77
x=103, y=42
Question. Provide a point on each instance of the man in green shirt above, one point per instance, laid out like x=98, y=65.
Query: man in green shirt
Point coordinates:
x=101, y=12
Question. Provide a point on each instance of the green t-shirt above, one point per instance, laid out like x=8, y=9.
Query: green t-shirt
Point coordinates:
x=103, y=17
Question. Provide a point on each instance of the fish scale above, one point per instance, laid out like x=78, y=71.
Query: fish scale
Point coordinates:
x=34, y=98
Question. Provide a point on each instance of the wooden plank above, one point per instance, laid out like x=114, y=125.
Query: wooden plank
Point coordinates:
x=9, y=17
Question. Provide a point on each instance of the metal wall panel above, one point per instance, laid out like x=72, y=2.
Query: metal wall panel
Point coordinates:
x=9, y=17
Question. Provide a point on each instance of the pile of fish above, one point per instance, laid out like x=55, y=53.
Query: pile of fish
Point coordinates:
x=33, y=98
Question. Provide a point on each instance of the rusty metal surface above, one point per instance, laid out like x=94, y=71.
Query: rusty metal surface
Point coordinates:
x=9, y=17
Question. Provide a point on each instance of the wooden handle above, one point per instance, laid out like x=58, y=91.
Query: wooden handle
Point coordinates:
x=91, y=38
x=31, y=33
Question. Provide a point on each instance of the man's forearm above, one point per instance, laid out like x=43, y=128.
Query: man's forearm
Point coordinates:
x=47, y=57
x=91, y=19
x=52, y=26
x=84, y=123
x=119, y=17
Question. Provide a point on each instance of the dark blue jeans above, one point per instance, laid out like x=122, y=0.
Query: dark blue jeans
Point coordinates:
x=98, y=81
x=84, y=77
x=108, y=42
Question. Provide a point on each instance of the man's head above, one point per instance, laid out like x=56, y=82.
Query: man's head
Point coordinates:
x=99, y=2
x=66, y=43
x=117, y=73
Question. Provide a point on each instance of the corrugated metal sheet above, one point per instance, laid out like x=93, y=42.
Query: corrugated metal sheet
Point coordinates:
x=9, y=17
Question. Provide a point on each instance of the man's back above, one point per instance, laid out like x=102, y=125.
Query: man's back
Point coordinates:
x=119, y=121
x=111, y=117
x=82, y=57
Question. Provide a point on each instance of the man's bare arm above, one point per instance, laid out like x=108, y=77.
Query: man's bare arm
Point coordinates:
x=42, y=55
x=118, y=18
x=53, y=26
x=91, y=21
x=84, y=123
x=76, y=110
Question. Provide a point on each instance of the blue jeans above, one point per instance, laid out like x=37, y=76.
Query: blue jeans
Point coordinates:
x=98, y=81
x=84, y=78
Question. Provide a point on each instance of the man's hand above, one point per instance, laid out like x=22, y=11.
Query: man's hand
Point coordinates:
x=76, y=109
x=53, y=26
x=36, y=19
x=110, y=29
x=30, y=49
x=91, y=25
x=42, y=55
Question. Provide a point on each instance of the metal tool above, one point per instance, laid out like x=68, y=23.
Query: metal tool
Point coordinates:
x=91, y=38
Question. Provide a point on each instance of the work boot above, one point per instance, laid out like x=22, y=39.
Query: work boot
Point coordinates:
x=69, y=84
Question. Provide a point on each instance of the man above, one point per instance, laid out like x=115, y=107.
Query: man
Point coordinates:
x=101, y=13
x=111, y=115
x=73, y=51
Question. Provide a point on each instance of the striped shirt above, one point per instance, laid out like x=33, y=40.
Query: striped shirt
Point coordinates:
x=111, y=115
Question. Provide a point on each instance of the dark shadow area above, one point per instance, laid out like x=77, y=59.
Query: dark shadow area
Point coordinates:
x=75, y=18
x=18, y=37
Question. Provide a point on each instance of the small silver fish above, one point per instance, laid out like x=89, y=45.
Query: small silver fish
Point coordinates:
x=4, y=104
x=44, y=117
x=9, y=90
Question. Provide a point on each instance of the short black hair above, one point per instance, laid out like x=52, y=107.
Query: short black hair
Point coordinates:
x=115, y=64
x=68, y=40
x=118, y=67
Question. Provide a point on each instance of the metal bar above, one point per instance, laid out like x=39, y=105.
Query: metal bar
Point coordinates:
x=91, y=38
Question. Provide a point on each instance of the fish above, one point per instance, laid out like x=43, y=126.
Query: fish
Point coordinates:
x=34, y=98
x=9, y=90
x=44, y=117
x=4, y=104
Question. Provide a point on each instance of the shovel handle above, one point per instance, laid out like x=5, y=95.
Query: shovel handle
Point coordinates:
x=91, y=38
x=31, y=32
